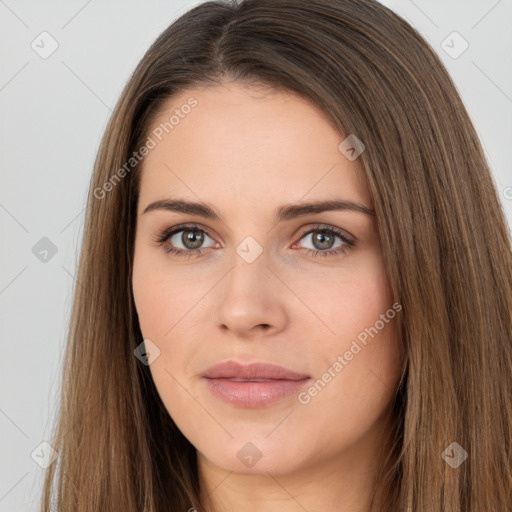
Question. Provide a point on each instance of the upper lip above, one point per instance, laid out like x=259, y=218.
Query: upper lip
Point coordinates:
x=233, y=369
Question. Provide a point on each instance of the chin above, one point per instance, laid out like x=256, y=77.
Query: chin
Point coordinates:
x=257, y=457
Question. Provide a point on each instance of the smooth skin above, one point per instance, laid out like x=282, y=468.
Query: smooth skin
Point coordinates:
x=246, y=151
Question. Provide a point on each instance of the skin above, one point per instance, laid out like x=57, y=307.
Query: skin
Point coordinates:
x=247, y=150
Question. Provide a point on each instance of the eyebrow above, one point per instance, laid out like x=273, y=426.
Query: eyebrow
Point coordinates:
x=282, y=213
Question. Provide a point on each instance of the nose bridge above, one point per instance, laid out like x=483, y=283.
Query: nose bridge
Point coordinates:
x=249, y=264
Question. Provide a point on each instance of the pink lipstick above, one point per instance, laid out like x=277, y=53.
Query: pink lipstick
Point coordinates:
x=253, y=385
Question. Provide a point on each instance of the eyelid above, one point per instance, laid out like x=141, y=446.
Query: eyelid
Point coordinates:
x=166, y=233
x=351, y=239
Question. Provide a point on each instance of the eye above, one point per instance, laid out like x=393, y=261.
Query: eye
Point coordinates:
x=189, y=236
x=323, y=239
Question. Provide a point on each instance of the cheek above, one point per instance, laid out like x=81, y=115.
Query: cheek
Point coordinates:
x=162, y=296
x=163, y=305
x=345, y=301
x=151, y=300
x=368, y=331
x=170, y=314
x=361, y=301
x=358, y=358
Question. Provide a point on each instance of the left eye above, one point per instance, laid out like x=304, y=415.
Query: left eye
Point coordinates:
x=323, y=239
x=192, y=238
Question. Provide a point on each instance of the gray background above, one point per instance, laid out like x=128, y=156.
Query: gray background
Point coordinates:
x=53, y=112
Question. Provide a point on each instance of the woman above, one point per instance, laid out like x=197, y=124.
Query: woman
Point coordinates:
x=296, y=278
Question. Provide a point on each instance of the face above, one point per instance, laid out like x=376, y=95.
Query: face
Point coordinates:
x=251, y=278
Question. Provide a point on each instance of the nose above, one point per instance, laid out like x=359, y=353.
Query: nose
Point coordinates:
x=251, y=300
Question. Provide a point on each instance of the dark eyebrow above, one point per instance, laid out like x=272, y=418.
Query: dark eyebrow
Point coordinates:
x=286, y=212
x=297, y=210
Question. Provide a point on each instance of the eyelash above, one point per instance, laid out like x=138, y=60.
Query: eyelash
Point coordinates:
x=186, y=253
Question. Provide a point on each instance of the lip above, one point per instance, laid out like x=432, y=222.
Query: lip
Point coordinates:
x=253, y=385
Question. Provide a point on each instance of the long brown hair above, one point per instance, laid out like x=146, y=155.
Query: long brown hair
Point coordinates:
x=444, y=236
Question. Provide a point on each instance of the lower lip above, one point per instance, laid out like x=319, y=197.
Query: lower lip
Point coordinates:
x=254, y=394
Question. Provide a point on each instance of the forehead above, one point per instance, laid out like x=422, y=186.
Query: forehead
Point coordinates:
x=232, y=140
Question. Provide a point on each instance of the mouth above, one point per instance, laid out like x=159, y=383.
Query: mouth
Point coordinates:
x=254, y=385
